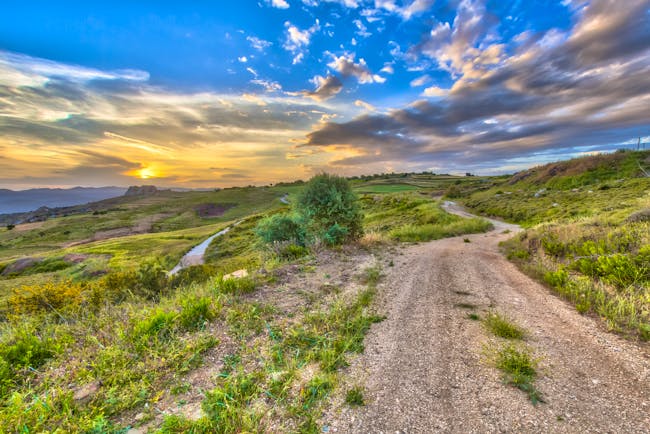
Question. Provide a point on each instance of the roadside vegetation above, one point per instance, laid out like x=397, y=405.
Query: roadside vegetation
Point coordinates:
x=588, y=234
x=511, y=356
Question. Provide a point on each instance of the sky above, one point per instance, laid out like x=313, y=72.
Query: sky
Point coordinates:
x=220, y=93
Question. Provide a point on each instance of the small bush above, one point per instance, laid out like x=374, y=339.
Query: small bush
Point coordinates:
x=159, y=325
x=328, y=201
x=557, y=279
x=279, y=228
x=227, y=406
x=453, y=192
x=53, y=297
x=194, y=274
x=10, y=227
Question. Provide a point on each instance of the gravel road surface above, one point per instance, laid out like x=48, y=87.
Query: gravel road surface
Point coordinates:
x=424, y=369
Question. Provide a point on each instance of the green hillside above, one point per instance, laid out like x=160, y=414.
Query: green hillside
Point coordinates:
x=588, y=234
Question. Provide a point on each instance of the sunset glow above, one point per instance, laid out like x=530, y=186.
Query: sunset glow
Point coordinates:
x=220, y=94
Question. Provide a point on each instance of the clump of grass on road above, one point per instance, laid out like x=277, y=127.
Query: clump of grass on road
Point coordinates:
x=354, y=397
x=519, y=370
x=502, y=327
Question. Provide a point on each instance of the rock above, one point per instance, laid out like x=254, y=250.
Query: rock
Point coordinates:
x=85, y=393
x=20, y=265
x=237, y=274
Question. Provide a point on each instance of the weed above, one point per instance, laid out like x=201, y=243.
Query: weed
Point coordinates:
x=354, y=396
x=465, y=305
x=473, y=316
x=519, y=370
x=502, y=327
x=372, y=275
x=466, y=240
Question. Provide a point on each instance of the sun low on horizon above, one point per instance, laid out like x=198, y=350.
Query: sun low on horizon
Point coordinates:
x=216, y=94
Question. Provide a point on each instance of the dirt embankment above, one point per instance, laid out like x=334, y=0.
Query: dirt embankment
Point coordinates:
x=424, y=368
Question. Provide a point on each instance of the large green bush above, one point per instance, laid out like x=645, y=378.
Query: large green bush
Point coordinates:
x=331, y=208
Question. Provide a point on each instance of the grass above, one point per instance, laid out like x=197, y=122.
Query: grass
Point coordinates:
x=588, y=235
x=394, y=188
x=354, y=397
x=134, y=334
x=410, y=217
x=519, y=370
x=502, y=327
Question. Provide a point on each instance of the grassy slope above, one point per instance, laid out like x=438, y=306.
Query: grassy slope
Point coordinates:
x=587, y=236
x=59, y=339
x=169, y=217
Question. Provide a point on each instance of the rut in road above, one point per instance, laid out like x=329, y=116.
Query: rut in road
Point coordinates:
x=424, y=369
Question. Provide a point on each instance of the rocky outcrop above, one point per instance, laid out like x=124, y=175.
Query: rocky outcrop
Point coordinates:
x=141, y=190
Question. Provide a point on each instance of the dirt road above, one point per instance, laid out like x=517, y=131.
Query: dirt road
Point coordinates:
x=424, y=368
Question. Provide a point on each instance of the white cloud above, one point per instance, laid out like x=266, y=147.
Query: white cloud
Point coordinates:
x=415, y=7
x=387, y=69
x=268, y=85
x=21, y=70
x=420, y=81
x=435, y=91
x=362, y=30
x=347, y=67
x=280, y=4
x=257, y=43
x=243, y=59
x=369, y=107
x=298, y=40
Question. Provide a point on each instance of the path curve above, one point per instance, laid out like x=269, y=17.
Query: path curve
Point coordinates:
x=423, y=370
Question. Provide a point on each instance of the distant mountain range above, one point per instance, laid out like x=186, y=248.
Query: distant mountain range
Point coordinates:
x=29, y=200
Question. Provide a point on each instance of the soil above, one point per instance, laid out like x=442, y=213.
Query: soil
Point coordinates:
x=425, y=367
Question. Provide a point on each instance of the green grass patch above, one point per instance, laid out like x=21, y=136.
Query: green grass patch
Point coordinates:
x=354, y=397
x=519, y=370
x=503, y=327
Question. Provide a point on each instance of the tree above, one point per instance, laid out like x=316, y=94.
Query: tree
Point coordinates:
x=331, y=209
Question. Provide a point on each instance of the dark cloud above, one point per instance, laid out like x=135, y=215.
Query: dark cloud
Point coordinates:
x=587, y=87
x=326, y=87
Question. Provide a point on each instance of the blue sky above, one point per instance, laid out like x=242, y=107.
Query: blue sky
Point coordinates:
x=227, y=93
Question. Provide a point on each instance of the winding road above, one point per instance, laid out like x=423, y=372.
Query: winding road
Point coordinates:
x=424, y=368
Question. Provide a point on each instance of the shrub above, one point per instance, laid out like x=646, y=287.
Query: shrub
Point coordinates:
x=453, y=192
x=281, y=227
x=193, y=274
x=159, y=325
x=48, y=297
x=557, y=279
x=336, y=235
x=23, y=350
x=10, y=227
x=328, y=200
